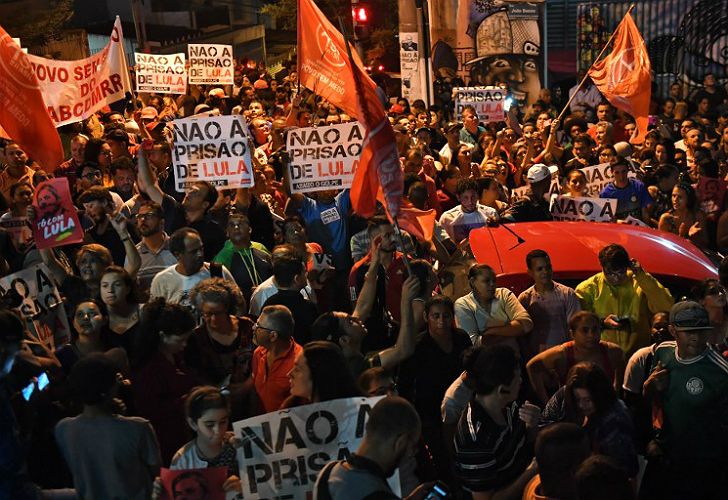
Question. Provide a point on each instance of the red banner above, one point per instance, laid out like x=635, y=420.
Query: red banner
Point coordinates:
x=624, y=75
x=194, y=483
x=56, y=222
x=23, y=114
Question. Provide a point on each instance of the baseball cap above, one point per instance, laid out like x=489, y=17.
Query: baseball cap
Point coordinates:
x=689, y=315
x=452, y=126
x=217, y=92
x=201, y=108
x=260, y=84
x=538, y=172
x=149, y=113
x=623, y=149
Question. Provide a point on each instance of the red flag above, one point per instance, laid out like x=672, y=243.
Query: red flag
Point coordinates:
x=623, y=77
x=418, y=223
x=325, y=68
x=23, y=114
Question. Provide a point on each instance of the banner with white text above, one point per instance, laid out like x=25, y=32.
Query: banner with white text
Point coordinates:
x=210, y=64
x=215, y=149
x=578, y=208
x=282, y=452
x=163, y=74
x=487, y=101
x=74, y=90
x=324, y=158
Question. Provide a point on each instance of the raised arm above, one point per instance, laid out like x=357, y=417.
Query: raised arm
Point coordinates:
x=133, y=260
x=407, y=338
x=146, y=180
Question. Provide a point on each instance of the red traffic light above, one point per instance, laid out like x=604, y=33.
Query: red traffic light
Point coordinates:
x=360, y=14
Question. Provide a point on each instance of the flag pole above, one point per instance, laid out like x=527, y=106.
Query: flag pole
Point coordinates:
x=586, y=75
x=397, y=230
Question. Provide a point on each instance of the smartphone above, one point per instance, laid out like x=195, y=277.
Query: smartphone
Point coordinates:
x=40, y=382
x=437, y=491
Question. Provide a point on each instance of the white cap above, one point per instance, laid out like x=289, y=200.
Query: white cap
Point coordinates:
x=538, y=172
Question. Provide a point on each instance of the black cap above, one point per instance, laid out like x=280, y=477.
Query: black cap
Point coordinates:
x=453, y=125
x=689, y=315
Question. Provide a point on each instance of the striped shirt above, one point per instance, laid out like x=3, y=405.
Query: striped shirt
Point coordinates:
x=489, y=456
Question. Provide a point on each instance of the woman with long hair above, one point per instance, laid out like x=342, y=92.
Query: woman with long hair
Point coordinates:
x=160, y=378
x=320, y=373
x=711, y=295
x=119, y=293
x=685, y=219
x=575, y=184
x=588, y=399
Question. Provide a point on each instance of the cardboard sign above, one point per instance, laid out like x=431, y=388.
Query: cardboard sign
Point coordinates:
x=74, y=90
x=324, y=157
x=583, y=209
x=598, y=176
x=20, y=230
x=193, y=484
x=283, y=452
x=210, y=63
x=322, y=261
x=42, y=307
x=409, y=62
x=487, y=101
x=214, y=149
x=163, y=74
x=57, y=221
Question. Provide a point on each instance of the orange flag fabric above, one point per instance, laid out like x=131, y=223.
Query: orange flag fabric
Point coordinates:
x=23, y=114
x=623, y=77
x=418, y=223
x=325, y=67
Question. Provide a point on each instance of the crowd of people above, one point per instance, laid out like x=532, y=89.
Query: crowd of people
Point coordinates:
x=192, y=310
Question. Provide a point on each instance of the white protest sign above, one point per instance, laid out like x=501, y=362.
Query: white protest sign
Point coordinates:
x=598, y=176
x=210, y=63
x=163, y=74
x=582, y=208
x=487, y=101
x=282, y=452
x=409, y=62
x=522, y=192
x=214, y=149
x=42, y=307
x=74, y=90
x=322, y=261
x=324, y=157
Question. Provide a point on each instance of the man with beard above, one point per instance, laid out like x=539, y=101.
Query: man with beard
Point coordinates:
x=392, y=433
x=49, y=202
x=154, y=246
x=110, y=232
x=89, y=174
x=459, y=221
x=176, y=282
x=248, y=261
x=123, y=175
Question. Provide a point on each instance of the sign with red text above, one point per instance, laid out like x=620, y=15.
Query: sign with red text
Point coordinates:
x=41, y=305
x=210, y=64
x=74, y=90
x=487, y=101
x=56, y=220
x=163, y=74
x=282, y=452
x=215, y=149
x=191, y=484
x=324, y=157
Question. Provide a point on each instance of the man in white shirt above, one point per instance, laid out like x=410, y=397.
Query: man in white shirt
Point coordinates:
x=268, y=288
x=459, y=221
x=175, y=282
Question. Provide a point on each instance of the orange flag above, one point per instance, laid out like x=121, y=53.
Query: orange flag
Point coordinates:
x=623, y=77
x=23, y=114
x=325, y=67
x=418, y=223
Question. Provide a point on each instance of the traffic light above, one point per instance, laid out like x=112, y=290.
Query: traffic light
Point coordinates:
x=360, y=18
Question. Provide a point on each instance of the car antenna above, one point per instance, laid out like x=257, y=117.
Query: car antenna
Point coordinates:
x=518, y=238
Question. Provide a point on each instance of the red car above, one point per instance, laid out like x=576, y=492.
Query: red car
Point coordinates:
x=573, y=247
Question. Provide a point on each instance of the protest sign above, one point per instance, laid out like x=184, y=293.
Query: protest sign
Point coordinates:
x=193, y=483
x=521, y=192
x=56, y=220
x=324, y=157
x=582, y=208
x=215, y=149
x=598, y=176
x=282, y=452
x=41, y=304
x=487, y=101
x=210, y=63
x=322, y=261
x=19, y=229
x=74, y=90
x=163, y=74
x=409, y=62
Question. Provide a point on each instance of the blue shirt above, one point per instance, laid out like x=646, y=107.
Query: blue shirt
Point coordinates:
x=631, y=199
x=328, y=225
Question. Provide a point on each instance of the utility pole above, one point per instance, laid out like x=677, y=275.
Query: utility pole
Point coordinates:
x=140, y=28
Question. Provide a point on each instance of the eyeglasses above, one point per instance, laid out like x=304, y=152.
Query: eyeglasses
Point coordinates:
x=92, y=175
x=146, y=216
x=715, y=291
x=217, y=314
x=258, y=325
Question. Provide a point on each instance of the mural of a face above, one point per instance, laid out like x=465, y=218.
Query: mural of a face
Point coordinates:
x=520, y=73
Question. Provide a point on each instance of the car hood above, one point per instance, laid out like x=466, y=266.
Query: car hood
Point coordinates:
x=574, y=247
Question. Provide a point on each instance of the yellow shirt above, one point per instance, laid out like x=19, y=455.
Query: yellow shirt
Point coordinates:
x=640, y=297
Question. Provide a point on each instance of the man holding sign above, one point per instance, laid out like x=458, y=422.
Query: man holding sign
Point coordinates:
x=632, y=196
